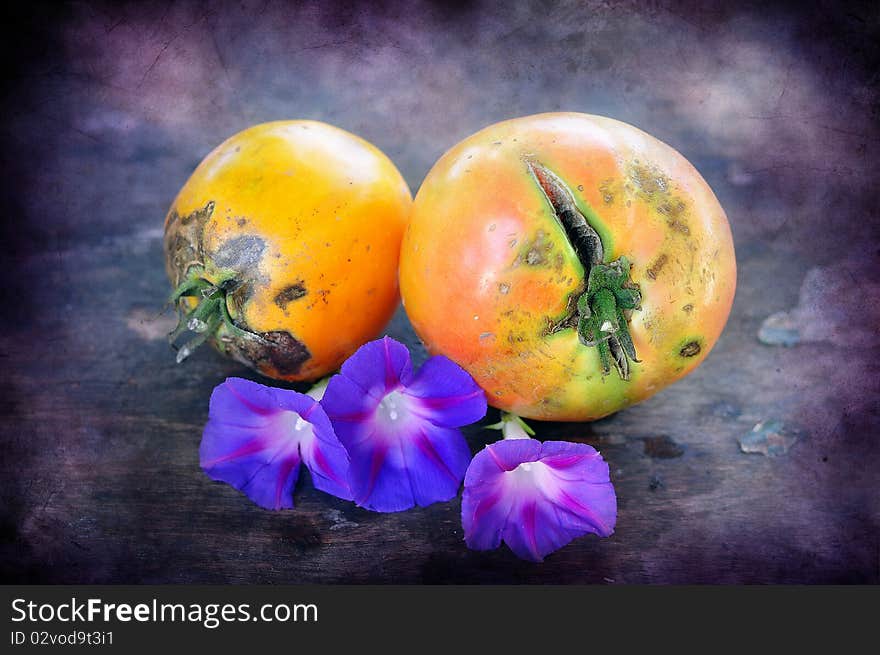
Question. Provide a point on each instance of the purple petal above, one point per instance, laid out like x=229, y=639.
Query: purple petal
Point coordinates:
x=255, y=437
x=586, y=497
x=484, y=504
x=378, y=475
x=448, y=394
x=501, y=456
x=399, y=430
x=345, y=401
x=393, y=470
x=536, y=497
x=436, y=460
x=378, y=367
x=324, y=455
x=241, y=448
x=249, y=400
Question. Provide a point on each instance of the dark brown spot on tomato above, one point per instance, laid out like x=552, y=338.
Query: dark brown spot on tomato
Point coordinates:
x=672, y=207
x=654, y=187
x=690, y=349
x=199, y=215
x=184, y=240
x=687, y=309
x=679, y=226
x=657, y=266
x=647, y=180
x=277, y=350
x=536, y=251
x=674, y=210
x=289, y=294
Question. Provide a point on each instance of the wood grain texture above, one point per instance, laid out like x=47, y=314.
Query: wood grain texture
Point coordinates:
x=99, y=475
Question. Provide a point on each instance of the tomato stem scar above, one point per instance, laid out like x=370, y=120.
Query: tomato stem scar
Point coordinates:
x=583, y=238
x=602, y=307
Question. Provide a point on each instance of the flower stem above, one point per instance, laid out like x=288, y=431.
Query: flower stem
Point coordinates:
x=512, y=427
x=317, y=390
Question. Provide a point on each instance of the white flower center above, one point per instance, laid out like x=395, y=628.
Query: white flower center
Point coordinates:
x=392, y=407
x=531, y=474
x=294, y=425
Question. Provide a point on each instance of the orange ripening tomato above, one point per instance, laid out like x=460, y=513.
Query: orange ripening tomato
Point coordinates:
x=573, y=264
x=283, y=247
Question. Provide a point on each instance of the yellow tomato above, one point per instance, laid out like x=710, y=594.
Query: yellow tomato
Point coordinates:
x=283, y=247
x=573, y=264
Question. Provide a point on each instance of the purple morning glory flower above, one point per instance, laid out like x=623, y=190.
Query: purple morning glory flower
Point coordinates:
x=401, y=428
x=256, y=437
x=536, y=496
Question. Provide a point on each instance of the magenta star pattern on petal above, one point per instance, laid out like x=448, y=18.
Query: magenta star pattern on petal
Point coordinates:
x=536, y=497
x=257, y=436
x=401, y=428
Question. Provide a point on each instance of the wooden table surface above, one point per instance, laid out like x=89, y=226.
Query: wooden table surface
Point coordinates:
x=110, y=110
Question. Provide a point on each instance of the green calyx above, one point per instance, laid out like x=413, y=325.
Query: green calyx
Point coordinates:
x=211, y=313
x=602, y=319
x=603, y=308
x=512, y=427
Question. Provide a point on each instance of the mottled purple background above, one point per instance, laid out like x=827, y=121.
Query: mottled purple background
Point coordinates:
x=109, y=107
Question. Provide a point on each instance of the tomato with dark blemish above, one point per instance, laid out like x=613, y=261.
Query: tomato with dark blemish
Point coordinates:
x=573, y=264
x=283, y=247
